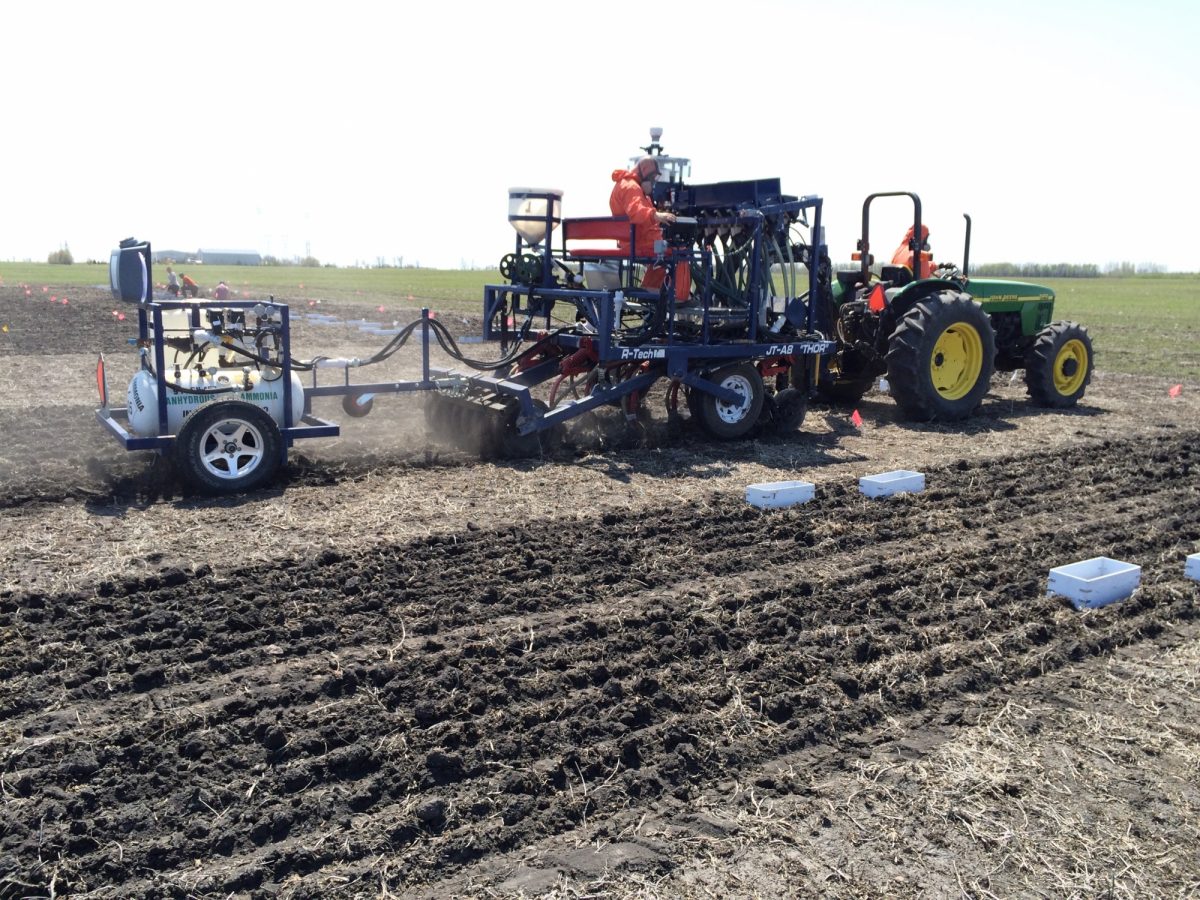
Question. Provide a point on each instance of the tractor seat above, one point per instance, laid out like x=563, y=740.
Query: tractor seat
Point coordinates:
x=896, y=275
x=602, y=228
x=848, y=278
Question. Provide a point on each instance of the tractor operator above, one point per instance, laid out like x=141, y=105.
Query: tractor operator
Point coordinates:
x=904, y=254
x=631, y=196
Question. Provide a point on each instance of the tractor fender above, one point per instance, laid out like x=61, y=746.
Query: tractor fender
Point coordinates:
x=911, y=294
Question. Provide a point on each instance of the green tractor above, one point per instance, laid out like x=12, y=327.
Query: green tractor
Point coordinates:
x=938, y=335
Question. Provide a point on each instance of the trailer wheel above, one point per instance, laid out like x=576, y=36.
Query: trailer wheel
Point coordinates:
x=1058, y=366
x=727, y=421
x=228, y=446
x=941, y=358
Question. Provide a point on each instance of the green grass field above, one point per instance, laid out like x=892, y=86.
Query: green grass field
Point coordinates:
x=1140, y=326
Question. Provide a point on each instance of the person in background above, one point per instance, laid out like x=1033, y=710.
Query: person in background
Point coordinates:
x=221, y=291
x=904, y=254
x=172, y=282
x=190, y=288
x=631, y=196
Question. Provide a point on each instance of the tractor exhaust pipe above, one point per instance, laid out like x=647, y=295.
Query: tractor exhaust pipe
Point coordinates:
x=967, y=248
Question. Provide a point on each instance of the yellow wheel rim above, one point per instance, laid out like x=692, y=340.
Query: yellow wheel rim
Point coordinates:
x=957, y=361
x=1070, y=367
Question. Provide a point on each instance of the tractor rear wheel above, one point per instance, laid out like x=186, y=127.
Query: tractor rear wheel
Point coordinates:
x=1058, y=366
x=941, y=358
x=226, y=446
x=728, y=421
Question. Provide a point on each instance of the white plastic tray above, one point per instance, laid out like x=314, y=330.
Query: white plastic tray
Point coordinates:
x=771, y=494
x=1094, y=582
x=887, y=483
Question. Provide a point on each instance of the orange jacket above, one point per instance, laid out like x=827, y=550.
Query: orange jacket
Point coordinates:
x=627, y=199
x=904, y=255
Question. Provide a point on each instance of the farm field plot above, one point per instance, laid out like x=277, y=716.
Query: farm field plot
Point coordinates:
x=403, y=672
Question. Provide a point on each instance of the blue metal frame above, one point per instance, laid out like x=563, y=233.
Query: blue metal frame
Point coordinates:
x=684, y=358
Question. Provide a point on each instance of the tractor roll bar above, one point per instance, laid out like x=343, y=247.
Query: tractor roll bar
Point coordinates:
x=864, y=246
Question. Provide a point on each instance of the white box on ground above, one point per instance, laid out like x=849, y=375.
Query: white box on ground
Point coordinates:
x=1094, y=582
x=772, y=494
x=1192, y=567
x=887, y=483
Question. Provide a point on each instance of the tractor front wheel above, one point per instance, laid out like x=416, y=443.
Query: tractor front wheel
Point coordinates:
x=1058, y=366
x=941, y=358
x=227, y=446
x=728, y=421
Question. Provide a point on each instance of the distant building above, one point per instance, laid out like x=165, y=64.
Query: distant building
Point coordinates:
x=229, y=258
x=210, y=257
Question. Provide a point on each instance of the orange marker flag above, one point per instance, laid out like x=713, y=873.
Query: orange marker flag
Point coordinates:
x=1175, y=390
x=856, y=419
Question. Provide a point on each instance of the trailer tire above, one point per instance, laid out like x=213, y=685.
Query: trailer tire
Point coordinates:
x=941, y=358
x=729, y=421
x=1058, y=366
x=228, y=446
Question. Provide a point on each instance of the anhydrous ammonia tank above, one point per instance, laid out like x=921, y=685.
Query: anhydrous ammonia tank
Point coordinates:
x=264, y=391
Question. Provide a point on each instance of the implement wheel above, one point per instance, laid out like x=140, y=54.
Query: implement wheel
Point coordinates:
x=510, y=444
x=788, y=409
x=1058, y=366
x=842, y=393
x=228, y=446
x=727, y=421
x=941, y=358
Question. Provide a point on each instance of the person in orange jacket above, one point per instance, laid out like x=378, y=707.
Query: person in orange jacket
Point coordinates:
x=631, y=193
x=904, y=254
x=630, y=197
x=190, y=288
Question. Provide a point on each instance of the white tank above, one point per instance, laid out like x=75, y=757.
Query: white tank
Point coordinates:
x=265, y=393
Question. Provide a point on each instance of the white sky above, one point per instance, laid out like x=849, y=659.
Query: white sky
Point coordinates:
x=352, y=130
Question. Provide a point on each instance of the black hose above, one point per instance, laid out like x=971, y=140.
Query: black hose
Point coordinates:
x=445, y=340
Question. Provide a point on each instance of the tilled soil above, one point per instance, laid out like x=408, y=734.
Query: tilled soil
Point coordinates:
x=401, y=672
